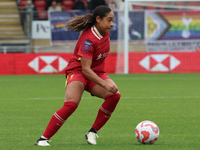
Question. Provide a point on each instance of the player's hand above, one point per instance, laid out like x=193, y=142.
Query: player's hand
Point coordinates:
x=111, y=88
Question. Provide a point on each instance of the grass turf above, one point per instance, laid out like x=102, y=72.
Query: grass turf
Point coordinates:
x=172, y=101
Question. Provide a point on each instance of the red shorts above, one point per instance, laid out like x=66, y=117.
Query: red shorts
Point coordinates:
x=79, y=76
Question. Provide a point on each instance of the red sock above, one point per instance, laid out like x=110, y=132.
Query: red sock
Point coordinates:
x=106, y=110
x=59, y=118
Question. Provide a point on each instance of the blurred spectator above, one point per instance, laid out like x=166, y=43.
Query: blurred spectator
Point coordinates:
x=18, y=1
x=26, y=15
x=63, y=7
x=48, y=4
x=112, y=5
x=95, y=3
x=79, y=5
x=121, y=6
x=54, y=7
x=59, y=4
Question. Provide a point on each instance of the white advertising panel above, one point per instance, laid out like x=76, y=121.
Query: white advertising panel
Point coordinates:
x=41, y=30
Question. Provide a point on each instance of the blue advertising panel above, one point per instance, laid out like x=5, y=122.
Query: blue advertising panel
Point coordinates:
x=58, y=20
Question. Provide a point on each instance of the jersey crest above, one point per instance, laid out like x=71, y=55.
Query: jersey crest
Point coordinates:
x=86, y=45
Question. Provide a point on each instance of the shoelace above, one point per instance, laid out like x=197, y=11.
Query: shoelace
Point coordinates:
x=96, y=135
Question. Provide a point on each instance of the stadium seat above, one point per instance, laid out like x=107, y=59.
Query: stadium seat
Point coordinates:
x=193, y=3
x=180, y=3
x=137, y=7
x=22, y=3
x=40, y=3
x=68, y=4
x=42, y=13
x=40, y=8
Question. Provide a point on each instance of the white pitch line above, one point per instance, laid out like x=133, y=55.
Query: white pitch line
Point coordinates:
x=123, y=78
x=186, y=97
x=154, y=78
x=62, y=98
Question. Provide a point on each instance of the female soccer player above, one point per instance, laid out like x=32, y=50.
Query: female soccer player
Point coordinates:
x=85, y=71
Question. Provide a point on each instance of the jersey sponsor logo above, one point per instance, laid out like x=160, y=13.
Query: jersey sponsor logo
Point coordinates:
x=99, y=57
x=102, y=56
x=105, y=54
x=86, y=45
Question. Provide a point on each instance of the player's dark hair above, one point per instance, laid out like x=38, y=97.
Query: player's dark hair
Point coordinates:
x=80, y=23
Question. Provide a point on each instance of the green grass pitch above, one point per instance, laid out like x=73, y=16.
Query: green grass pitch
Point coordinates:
x=172, y=101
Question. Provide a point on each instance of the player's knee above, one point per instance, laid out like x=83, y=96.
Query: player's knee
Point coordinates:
x=71, y=105
x=117, y=97
x=114, y=97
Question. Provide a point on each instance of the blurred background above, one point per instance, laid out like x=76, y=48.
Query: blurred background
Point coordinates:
x=36, y=26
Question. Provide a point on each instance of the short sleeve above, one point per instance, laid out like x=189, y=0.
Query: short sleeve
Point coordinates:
x=86, y=49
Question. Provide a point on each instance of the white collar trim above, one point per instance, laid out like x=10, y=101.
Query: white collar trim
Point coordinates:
x=96, y=32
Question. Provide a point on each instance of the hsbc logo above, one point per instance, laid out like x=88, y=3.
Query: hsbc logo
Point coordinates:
x=159, y=62
x=48, y=64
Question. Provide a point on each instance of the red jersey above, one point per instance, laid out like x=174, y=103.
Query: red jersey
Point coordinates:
x=91, y=44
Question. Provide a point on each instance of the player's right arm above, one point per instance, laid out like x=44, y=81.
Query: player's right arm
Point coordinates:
x=92, y=76
x=85, y=52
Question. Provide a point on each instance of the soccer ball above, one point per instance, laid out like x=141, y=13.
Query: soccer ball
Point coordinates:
x=147, y=132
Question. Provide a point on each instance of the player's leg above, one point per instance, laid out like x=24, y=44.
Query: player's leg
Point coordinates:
x=73, y=93
x=105, y=110
x=107, y=107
